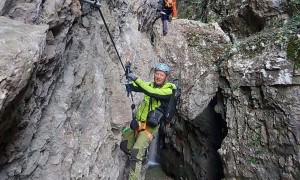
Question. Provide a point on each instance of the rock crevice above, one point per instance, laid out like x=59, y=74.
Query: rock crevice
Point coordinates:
x=62, y=107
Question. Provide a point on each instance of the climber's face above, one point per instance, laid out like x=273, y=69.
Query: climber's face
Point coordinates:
x=160, y=78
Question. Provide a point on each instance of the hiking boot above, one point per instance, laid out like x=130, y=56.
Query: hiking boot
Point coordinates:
x=165, y=33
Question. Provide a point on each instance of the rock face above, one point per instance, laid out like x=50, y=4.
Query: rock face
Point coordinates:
x=21, y=52
x=259, y=84
x=21, y=46
x=55, y=119
x=261, y=89
x=239, y=18
x=62, y=107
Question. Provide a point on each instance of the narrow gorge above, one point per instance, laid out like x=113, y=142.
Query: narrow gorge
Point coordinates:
x=63, y=105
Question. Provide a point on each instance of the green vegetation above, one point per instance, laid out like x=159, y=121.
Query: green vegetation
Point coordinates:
x=193, y=39
x=235, y=87
x=277, y=33
x=256, y=141
x=253, y=161
x=295, y=6
x=293, y=50
x=274, y=34
x=293, y=47
x=195, y=10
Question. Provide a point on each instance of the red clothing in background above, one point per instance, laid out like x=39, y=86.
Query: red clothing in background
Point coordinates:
x=174, y=10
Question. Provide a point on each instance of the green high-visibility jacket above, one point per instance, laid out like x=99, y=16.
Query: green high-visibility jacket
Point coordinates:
x=160, y=96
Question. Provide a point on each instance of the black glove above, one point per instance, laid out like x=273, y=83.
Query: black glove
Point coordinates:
x=131, y=76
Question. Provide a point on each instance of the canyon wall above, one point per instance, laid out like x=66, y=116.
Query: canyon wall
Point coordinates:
x=63, y=105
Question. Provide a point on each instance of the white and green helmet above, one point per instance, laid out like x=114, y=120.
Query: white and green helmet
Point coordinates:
x=162, y=67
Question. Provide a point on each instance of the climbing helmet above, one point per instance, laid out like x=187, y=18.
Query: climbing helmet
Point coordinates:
x=162, y=67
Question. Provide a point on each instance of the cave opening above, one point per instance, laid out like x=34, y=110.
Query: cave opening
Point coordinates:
x=191, y=152
x=216, y=131
x=246, y=23
x=254, y=22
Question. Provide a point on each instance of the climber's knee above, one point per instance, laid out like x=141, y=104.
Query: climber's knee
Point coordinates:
x=124, y=147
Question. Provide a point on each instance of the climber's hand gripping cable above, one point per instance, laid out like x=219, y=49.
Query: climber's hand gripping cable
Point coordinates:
x=127, y=71
x=129, y=91
x=127, y=85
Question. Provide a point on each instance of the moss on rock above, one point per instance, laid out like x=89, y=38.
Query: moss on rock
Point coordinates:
x=293, y=50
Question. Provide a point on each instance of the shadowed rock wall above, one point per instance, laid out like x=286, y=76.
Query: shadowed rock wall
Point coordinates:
x=63, y=108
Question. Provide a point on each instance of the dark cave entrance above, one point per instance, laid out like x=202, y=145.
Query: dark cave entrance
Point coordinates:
x=215, y=132
x=193, y=151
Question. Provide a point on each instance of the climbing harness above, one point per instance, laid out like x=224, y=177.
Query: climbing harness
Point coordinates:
x=126, y=68
x=142, y=127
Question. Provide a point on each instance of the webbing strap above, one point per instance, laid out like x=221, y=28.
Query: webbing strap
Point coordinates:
x=143, y=128
x=150, y=136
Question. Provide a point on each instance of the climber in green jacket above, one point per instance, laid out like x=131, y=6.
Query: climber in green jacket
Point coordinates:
x=157, y=95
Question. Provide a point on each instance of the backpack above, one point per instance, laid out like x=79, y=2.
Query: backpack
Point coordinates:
x=172, y=106
x=168, y=3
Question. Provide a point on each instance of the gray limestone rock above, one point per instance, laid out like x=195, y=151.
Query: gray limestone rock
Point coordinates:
x=62, y=105
x=238, y=18
x=21, y=50
x=69, y=117
x=261, y=95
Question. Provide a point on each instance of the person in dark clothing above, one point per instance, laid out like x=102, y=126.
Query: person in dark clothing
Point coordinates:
x=166, y=11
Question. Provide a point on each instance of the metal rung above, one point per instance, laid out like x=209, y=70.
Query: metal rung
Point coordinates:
x=95, y=3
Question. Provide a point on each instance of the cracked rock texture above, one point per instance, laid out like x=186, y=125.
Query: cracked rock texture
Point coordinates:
x=239, y=18
x=192, y=49
x=62, y=106
x=261, y=90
